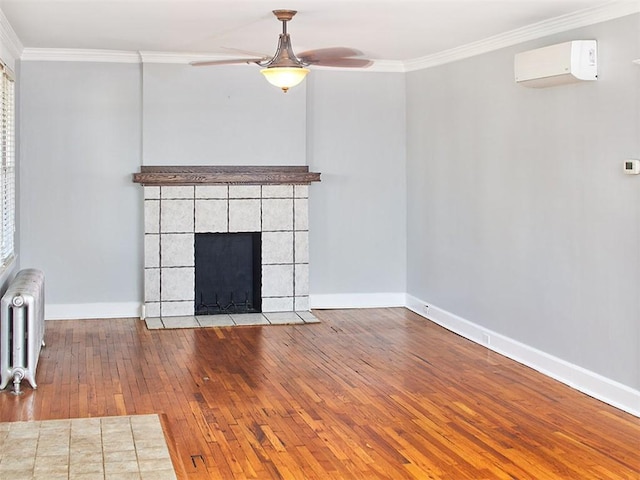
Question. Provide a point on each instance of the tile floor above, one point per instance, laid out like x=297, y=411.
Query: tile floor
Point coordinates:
x=112, y=448
x=273, y=318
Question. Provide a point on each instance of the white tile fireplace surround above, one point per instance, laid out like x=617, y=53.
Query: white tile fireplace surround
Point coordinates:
x=173, y=214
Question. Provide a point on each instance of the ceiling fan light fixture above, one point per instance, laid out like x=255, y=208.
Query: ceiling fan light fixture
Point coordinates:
x=285, y=77
x=286, y=69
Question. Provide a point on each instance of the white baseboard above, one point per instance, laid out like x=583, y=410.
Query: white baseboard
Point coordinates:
x=357, y=300
x=75, y=311
x=595, y=385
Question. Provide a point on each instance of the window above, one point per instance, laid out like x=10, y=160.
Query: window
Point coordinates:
x=7, y=167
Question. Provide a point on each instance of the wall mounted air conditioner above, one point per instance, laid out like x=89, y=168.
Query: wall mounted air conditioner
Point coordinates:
x=557, y=64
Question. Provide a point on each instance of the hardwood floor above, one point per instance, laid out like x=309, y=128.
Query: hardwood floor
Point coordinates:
x=377, y=393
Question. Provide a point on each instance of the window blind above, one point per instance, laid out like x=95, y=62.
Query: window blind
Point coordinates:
x=7, y=167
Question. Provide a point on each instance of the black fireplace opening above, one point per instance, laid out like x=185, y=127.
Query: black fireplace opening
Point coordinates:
x=228, y=271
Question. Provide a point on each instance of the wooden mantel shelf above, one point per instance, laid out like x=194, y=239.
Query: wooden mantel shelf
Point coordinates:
x=211, y=175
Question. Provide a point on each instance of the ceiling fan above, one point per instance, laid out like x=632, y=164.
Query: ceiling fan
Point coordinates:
x=286, y=69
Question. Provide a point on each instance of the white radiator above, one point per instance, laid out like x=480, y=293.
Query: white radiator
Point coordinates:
x=21, y=328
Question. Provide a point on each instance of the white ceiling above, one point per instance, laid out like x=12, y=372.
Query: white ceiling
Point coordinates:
x=383, y=30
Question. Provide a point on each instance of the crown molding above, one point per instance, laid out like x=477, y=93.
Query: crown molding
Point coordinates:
x=116, y=56
x=386, y=66
x=121, y=56
x=78, y=55
x=582, y=18
x=11, y=44
x=181, y=58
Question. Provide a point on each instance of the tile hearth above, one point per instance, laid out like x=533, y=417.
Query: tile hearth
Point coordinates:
x=243, y=319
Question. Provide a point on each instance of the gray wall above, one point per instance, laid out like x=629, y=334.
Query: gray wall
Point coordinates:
x=224, y=115
x=86, y=127
x=356, y=138
x=80, y=214
x=349, y=126
x=520, y=218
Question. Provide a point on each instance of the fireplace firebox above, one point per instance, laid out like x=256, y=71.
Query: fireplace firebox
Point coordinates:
x=227, y=273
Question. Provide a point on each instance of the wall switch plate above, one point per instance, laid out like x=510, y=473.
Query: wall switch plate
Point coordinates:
x=632, y=167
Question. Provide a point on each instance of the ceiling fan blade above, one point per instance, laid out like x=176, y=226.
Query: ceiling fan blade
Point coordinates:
x=315, y=56
x=345, y=62
x=231, y=61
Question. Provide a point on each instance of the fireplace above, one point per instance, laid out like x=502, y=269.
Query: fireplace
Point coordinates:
x=185, y=206
x=228, y=274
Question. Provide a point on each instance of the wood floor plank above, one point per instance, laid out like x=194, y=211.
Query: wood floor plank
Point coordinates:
x=377, y=394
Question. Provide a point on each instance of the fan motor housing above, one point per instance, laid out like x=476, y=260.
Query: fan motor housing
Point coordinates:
x=284, y=15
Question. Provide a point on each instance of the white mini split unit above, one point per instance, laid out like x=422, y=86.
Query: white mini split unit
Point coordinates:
x=557, y=64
